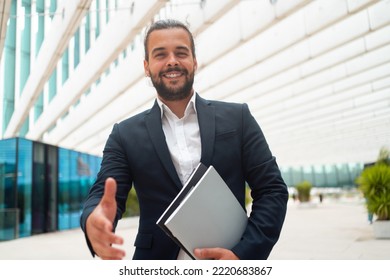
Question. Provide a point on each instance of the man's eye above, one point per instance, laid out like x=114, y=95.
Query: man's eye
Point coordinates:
x=182, y=54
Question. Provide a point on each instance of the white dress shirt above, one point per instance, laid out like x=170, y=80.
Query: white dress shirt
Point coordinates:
x=183, y=140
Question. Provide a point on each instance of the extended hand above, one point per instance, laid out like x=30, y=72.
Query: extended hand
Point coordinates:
x=99, y=226
x=215, y=254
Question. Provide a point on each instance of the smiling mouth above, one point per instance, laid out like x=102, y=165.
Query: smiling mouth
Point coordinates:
x=172, y=75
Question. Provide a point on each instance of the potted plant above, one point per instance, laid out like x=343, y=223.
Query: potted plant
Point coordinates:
x=374, y=182
x=303, y=190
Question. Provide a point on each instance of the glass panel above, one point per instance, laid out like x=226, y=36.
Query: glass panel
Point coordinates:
x=63, y=189
x=84, y=172
x=53, y=8
x=296, y=175
x=308, y=174
x=77, y=172
x=8, y=173
x=74, y=191
x=9, y=220
x=40, y=8
x=344, y=177
x=331, y=176
x=87, y=33
x=39, y=194
x=355, y=169
x=65, y=66
x=97, y=30
x=25, y=186
x=51, y=183
x=319, y=176
x=53, y=85
x=287, y=176
x=76, y=50
x=25, y=46
x=38, y=107
x=8, y=210
x=107, y=10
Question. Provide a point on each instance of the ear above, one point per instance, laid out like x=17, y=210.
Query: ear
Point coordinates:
x=146, y=68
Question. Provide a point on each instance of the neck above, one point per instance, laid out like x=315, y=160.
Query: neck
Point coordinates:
x=177, y=107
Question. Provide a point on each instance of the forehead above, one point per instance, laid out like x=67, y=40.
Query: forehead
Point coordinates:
x=169, y=38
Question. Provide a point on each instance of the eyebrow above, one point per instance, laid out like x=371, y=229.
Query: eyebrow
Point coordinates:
x=158, y=49
x=183, y=48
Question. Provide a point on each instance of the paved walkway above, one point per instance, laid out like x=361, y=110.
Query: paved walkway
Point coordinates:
x=332, y=230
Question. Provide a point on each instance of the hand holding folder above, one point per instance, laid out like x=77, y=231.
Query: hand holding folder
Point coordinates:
x=205, y=213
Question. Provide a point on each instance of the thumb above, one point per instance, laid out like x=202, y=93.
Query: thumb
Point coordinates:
x=109, y=191
x=108, y=202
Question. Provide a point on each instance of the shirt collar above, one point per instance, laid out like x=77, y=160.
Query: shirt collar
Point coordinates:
x=164, y=108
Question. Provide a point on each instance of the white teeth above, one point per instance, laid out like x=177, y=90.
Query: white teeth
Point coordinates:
x=172, y=75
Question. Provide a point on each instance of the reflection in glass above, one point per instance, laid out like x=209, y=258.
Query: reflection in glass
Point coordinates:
x=42, y=187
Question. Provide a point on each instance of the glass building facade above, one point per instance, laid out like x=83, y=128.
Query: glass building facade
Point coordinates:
x=324, y=176
x=29, y=22
x=42, y=187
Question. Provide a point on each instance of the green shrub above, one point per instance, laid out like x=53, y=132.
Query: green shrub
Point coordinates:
x=132, y=205
x=303, y=190
x=374, y=182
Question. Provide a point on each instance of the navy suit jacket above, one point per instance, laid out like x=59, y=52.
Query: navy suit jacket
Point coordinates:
x=136, y=154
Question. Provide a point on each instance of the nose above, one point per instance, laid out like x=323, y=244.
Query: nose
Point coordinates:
x=172, y=60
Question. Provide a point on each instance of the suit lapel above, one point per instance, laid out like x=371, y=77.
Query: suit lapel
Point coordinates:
x=206, y=119
x=156, y=133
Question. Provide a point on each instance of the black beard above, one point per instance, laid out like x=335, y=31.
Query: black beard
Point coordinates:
x=174, y=94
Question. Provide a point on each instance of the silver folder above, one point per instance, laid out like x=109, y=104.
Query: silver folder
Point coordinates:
x=205, y=213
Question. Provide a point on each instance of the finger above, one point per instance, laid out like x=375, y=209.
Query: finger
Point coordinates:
x=111, y=253
x=111, y=238
x=108, y=203
x=102, y=244
x=198, y=253
x=215, y=254
x=109, y=191
x=116, y=239
x=206, y=253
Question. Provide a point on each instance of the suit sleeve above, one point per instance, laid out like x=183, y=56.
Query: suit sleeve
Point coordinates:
x=268, y=191
x=114, y=164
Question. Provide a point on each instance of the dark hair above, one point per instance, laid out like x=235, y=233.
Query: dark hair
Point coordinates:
x=167, y=24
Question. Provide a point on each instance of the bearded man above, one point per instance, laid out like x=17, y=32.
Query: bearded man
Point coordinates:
x=157, y=150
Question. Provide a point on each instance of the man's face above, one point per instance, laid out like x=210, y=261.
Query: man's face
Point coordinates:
x=171, y=65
